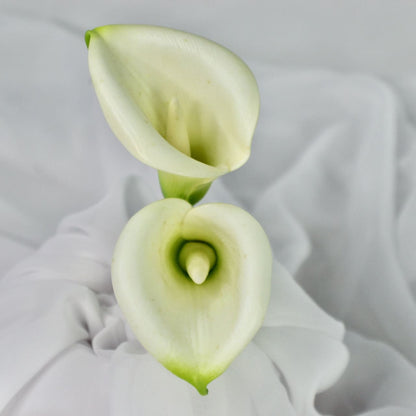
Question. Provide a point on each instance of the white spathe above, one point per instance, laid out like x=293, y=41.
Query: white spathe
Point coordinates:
x=178, y=102
x=194, y=329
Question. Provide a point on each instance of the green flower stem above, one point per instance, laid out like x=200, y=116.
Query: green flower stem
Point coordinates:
x=189, y=189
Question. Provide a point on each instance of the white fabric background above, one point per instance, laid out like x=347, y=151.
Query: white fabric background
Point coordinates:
x=331, y=179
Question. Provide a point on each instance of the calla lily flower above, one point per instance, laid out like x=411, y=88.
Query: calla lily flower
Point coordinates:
x=193, y=283
x=178, y=102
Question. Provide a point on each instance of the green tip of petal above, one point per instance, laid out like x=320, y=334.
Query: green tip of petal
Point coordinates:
x=192, y=376
x=201, y=387
x=87, y=37
x=203, y=391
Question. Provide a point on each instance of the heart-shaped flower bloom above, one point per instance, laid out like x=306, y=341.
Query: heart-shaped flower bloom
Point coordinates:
x=193, y=283
x=178, y=102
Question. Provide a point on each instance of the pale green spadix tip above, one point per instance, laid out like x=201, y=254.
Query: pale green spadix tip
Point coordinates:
x=178, y=102
x=197, y=259
x=194, y=328
x=197, y=267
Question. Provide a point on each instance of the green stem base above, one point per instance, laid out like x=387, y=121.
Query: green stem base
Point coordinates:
x=189, y=189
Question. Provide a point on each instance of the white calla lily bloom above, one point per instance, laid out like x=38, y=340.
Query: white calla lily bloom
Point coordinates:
x=193, y=283
x=178, y=102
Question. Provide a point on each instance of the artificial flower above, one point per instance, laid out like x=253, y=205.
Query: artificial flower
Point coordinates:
x=178, y=102
x=193, y=283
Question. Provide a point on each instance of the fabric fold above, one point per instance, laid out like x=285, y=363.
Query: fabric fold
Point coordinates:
x=65, y=299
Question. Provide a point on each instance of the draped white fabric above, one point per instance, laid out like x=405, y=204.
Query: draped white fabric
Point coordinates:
x=331, y=179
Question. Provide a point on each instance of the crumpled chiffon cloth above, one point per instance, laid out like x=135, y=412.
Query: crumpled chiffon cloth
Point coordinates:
x=331, y=179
